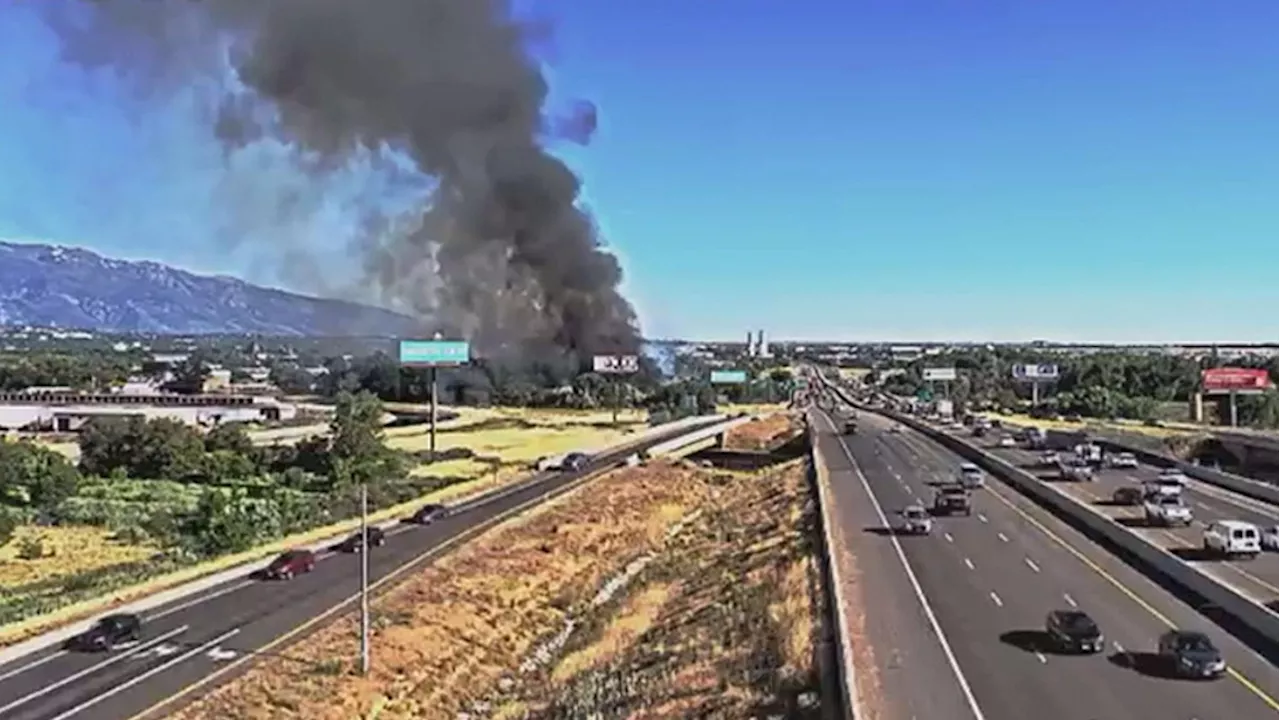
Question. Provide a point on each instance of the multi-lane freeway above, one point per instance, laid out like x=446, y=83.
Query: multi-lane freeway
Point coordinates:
x=1256, y=578
x=198, y=640
x=956, y=618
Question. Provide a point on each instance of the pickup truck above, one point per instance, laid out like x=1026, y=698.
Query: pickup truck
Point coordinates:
x=950, y=500
x=1091, y=453
x=1076, y=468
x=1166, y=510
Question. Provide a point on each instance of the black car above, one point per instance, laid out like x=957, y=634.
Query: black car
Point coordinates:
x=109, y=632
x=1192, y=654
x=1074, y=630
x=352, y=544
x=575, y=461
x=428, y=514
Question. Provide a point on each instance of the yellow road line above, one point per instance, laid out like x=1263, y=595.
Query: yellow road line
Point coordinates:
x=1089, y=563
x=437, y=550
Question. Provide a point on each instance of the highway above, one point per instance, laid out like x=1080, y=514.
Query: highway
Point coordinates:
x=1255, y=578
x=186, y=642
x=955, y=618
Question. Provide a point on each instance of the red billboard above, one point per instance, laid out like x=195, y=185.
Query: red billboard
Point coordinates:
x=1237, y=379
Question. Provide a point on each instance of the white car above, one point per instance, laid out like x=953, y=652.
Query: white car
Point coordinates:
x=1233, y=538
x=549, y=462
x=1269, y=539
x=1049, y=458
x=916, y=520
x=1007, y=441
x=895, y=429
x=1167, y=510
x=1075, y=468
x=1122, y=460
x=971, y=476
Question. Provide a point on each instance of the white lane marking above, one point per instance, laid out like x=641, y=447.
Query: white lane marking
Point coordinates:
x=996, y=599
x=1003, y=537
x=982, y=517
x=31, y=665
x=1119, y=648
x=196, y=601
x=144, y=676
x=91, y=669
x=1040, y=656
x=968, y=563
x=1031, y=564
x=161, y=650
x=915, y=586
x=1070, y=600
x=947, y=535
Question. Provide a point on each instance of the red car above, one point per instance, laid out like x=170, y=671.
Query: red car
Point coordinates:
x=290, y=563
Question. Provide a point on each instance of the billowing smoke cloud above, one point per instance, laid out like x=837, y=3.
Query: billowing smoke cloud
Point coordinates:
x=439, y=95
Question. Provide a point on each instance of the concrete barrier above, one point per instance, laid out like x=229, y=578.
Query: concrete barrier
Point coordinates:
x=1248, y=487
x=1257, y=617
x=694, y=441
x=62, y=632
x=839, y=623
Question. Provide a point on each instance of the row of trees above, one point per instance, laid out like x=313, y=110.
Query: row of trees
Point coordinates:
x=1109, y=384
x=249, y=493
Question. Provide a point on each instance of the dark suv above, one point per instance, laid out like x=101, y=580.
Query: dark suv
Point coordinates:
x=1074, y=630
x=1192, y=654
x=108, y=632
x=353, y=543
x=290, y=563
x=575, y=461
x=428, y=514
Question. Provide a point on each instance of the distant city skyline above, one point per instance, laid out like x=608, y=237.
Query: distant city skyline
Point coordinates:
x=1086, y=172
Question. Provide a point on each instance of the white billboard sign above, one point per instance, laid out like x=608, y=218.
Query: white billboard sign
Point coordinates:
x=615, y=364
x=1035, y=373
x=939, y=374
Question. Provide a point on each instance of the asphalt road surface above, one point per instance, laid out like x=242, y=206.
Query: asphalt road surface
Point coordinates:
x=1256, y=578
x=188, y=640
x=959, y=634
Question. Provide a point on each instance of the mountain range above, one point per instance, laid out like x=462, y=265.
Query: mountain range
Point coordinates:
x=74, y=288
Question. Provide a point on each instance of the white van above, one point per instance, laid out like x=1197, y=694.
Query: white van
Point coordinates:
x=970, y=475
x=1233, y=537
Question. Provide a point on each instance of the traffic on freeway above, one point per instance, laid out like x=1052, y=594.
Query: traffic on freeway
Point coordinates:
x=200, y=639
x=1118, y=492
x=1008, y=612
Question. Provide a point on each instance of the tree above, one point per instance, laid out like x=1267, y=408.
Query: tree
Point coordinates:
x=231, y=437
x=150, y=449
x=189, y=376
x=44, y=476
x=356, y=452
x=221, y=523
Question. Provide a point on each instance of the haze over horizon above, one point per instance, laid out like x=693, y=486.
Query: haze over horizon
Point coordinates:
x=1097, y=172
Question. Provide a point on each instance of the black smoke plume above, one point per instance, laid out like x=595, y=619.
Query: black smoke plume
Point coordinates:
x=499, y=252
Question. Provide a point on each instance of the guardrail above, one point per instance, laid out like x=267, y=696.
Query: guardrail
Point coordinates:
x=1257, y=617
x=611, y=455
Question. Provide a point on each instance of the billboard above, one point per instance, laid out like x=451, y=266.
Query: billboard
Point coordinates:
x=728, y=377
x=939, y=374
x=615, y=364
x=434, y=353
x=1035, y=373
x=1241, y=380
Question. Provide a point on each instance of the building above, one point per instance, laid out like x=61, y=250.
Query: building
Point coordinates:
x=68, y=412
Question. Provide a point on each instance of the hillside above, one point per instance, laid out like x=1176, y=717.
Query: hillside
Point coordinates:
x=52, y=286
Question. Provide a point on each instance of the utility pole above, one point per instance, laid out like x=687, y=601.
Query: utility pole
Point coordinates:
x=364, y=578
x=434, y=402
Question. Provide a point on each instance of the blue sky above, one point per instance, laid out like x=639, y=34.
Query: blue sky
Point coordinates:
x=1092, y=170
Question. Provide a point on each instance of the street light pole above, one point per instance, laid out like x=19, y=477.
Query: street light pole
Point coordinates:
x=364, y=578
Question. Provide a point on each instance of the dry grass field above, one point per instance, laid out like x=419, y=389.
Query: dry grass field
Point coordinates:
x=46, y=554
x=695, y=584
x=765, y=433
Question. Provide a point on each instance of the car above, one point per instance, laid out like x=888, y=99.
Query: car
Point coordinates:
x=1165, y=485
x=1048, y=458
x=575, y=461
x=971, y=475
x=547, y=463
x=895, y=429
x=108, y=633
x=979, y=430
x=1075, y=468
x=353, y=543
x=1191, y=654
x=1171, y=477
x=290, y=563
x=1269, y=540
x=1006, y=441
x=429, y=513
x=916, y=520
x=1167, y=510
x=1127, y=496
x=1122, y=460
x=1073, y=630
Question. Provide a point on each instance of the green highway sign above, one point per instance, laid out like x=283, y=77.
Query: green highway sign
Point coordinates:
x=924, y=394
x=728, y=377
x=430, y=353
